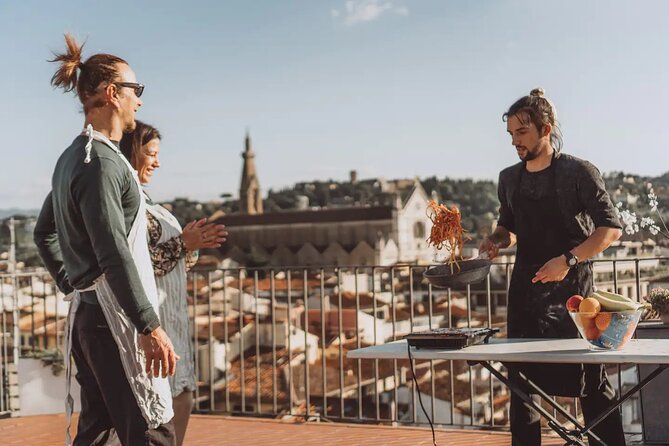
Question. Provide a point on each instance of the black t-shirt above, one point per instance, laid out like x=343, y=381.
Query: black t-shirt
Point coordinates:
x=581, y=195
x=537, y=185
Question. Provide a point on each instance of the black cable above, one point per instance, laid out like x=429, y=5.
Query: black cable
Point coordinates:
x=420, y=400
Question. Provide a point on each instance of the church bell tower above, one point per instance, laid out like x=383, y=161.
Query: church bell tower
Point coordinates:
x=250, y=199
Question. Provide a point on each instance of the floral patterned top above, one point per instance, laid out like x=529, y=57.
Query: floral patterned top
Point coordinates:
x=165, y=256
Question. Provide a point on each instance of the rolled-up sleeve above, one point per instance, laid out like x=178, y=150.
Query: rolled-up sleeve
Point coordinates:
x=506, y=219
x=595, y=199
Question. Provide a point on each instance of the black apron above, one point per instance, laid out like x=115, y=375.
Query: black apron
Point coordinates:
x=537, y=310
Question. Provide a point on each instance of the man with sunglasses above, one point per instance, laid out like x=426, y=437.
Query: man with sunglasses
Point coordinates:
x=89, y=234
x=139, y=88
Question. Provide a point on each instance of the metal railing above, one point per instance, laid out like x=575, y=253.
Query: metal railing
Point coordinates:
x=328, y=385
x=9, y=340
x=273, y=341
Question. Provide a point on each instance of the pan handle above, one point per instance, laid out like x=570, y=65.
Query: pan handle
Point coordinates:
x=482, y=256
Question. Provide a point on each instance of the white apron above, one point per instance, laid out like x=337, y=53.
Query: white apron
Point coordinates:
x=152, y=394
x=172, y=297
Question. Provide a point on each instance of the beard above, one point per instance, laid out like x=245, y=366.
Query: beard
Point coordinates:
x=130, y=126
x=529, y=154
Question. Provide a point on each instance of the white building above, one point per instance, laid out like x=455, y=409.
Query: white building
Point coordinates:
x=379, y=235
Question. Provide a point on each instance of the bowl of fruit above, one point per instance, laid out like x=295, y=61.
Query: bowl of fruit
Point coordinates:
x=606, y=320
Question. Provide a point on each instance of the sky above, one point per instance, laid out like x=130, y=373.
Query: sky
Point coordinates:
x=390, y=88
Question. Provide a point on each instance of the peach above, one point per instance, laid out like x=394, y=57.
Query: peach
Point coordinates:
x=573, y=302
x=590, y=307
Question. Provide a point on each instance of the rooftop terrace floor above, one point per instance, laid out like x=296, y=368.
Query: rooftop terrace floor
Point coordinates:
x=217, y=430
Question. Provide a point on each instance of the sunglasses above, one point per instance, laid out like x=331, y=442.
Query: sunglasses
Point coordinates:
x=139, y=88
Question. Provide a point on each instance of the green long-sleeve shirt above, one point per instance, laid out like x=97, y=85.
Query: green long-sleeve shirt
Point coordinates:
x=82, y=230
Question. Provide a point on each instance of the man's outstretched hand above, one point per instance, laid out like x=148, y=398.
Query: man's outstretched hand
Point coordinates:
x=555, y=270
x=160, y=354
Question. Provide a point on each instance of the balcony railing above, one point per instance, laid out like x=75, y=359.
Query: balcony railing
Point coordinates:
x=273, y=341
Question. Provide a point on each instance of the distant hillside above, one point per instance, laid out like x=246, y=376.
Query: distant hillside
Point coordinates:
x=633, y=189
x=5, y=213
x=477, y=199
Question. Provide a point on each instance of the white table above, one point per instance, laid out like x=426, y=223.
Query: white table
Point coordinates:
x=574, y=351
x=636, y=351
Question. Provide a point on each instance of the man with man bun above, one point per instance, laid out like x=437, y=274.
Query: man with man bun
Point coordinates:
x=556, y=209
x=91, y=234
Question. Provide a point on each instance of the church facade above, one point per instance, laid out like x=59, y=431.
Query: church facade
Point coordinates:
x=353, y=235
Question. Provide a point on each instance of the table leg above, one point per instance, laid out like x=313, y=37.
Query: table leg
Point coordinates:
x=644, y=382
x=537, y=390
x=572, y=437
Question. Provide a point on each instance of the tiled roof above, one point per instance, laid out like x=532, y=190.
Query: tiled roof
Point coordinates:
x=218, y=327
x=265, y=284
x=332, y=373
x=251, y=376
x=309, y=216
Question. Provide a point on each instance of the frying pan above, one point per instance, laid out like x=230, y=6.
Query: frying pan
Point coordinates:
x=470, y=271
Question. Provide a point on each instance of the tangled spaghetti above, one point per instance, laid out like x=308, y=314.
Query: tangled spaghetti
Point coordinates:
x=446, y=230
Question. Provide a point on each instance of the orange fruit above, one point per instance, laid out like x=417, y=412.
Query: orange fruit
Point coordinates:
x=602, y=321
x=587, y=326
x=584, y=320
x=590, y=307
x=592, y=332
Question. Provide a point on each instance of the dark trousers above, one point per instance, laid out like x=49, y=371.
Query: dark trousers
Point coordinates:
x=109, y=414
x=526, y=423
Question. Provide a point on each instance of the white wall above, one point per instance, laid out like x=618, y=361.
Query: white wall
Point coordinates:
x=388, y=253
x=225, y=353
x=40, y=392
x=442, y=408
x=297, y=339
x=410, y=246
x=348, y=283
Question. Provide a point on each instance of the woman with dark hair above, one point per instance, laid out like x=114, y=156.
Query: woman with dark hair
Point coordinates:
x=173, y=251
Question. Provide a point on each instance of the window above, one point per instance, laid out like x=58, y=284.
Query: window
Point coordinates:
x=419, y=229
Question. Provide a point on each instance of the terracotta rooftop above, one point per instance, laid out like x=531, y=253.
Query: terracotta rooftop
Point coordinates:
x=332, y=384
x=265, y=284
x=250, y=377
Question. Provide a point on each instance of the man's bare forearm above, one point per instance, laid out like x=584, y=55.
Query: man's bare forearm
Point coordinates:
x=598, y=241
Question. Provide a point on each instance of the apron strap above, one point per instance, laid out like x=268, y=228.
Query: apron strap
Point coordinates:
x=88, y=131
x=74, y=298
x=92, y=135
